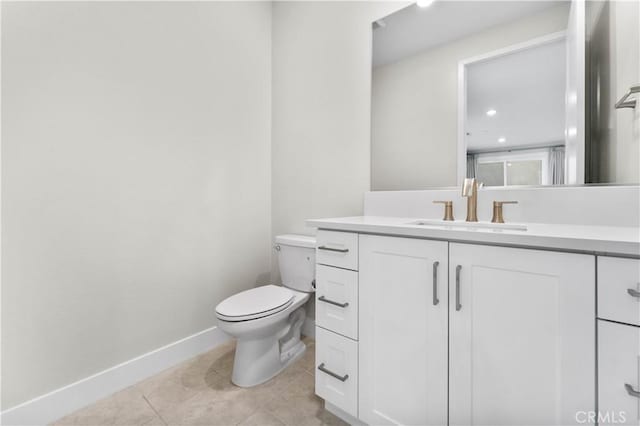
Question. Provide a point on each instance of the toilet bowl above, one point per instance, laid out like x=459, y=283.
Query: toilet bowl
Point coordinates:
x=267, y=320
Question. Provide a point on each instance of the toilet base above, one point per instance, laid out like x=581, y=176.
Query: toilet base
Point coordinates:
x=257, y=361
x=267, y=345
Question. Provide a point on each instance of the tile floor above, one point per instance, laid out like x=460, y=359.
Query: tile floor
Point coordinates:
x=200, y=392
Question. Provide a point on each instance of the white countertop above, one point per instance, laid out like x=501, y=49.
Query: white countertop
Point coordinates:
x=603, y=240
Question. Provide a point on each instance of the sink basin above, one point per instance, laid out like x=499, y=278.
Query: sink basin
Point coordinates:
x=470, y=226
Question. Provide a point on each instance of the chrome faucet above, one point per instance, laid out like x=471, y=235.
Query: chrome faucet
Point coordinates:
x=470, y=190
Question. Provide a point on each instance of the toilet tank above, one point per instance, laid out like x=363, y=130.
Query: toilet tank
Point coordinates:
x=297, y=261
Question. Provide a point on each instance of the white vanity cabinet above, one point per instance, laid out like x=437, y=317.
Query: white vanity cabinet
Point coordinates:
x=521, y=335
x=455, y=333
x=403, y=331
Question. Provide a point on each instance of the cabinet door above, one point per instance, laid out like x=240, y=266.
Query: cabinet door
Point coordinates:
x=522, y=336
x=619, y=373
x=403, y=331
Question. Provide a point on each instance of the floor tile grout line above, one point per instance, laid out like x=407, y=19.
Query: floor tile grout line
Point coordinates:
x=248, y=417
x=275, y=415
x=155, y=411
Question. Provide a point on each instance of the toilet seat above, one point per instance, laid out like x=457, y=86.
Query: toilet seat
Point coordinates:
x=255, y=303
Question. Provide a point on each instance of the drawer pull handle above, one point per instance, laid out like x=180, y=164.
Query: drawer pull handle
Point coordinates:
x=631, y=391
x=435, y=283
x=332, y=374
x=333, y=249
x=331, y=302
x=458, y=304
x=633, y=292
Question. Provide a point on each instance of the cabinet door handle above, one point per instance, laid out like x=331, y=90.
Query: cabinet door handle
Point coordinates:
x=345, y=250
x=332, y=374
x=458, y=304
x=631, y=391
x=633, y=292
x=331, y=302
x=435, y=283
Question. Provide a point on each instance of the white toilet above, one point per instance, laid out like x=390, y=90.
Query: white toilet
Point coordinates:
x=266, y=321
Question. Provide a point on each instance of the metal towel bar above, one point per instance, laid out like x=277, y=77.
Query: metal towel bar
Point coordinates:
x=624, y=103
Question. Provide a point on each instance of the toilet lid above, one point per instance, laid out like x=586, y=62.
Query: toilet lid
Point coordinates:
x=254, y=303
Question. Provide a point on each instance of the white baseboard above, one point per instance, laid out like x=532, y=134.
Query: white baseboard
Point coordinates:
x=60, y=402
x=343, y=415
x=309, y=328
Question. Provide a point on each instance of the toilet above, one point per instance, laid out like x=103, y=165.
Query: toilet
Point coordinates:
x=266, y=320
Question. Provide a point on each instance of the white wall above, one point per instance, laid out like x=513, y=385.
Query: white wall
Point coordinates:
x=135, y=178
x=321, y=110
x=414, y=105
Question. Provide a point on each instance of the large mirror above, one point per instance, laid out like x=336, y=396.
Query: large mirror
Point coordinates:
x=508, y=92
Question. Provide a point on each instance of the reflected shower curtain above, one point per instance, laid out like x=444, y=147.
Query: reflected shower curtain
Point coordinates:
x=472, y=164
x=556, y=165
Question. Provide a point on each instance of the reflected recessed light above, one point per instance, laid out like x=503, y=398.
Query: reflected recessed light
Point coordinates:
x=502, y=140
x=424, y=3
x=492, y=112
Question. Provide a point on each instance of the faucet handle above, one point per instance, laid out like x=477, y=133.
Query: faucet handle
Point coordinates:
x=448, y=209
x=497, y=210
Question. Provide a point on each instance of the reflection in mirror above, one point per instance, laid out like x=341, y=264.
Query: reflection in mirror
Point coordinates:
x=513, y=109
x=496, y=90
x=613, y=67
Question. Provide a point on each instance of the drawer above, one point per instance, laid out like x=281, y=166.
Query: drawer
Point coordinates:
x=619, y=289
x=337, y=249
x=337, y=370
x=337, y=300
x=618, y=359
